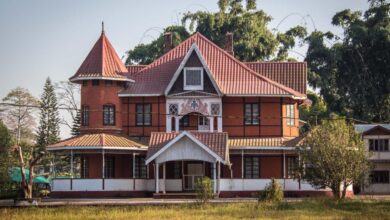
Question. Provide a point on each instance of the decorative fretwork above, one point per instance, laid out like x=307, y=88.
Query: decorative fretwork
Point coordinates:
x=215, y=109
x=173, y=109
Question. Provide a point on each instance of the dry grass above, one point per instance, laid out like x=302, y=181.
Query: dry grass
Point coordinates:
x=307, y=209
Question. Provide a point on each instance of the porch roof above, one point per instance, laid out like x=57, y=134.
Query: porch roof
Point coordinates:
x=268, y=142
x=98, y=141
x=214, y=141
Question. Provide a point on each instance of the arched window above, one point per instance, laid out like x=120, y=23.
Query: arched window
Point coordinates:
x=85, y=115
x=109, y=114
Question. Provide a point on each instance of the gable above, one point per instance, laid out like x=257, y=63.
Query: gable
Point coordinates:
x=178, y=85
x=377, y=130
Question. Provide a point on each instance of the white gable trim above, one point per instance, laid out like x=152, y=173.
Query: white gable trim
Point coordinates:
x=195, y=48
x=176, y=139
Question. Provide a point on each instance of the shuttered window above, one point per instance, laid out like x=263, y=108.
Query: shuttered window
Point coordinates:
x=251, y=114
x=193, y=78
x=251, y=167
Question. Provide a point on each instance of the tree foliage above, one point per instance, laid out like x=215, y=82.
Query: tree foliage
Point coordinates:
x=333, y=155
x=253, y=41
x=68, y=94
x=48, y=130
x=76, y=124
x=273, y=192
x=314, y=113
x=19, y=114
x=354, y=74
x=5, y=151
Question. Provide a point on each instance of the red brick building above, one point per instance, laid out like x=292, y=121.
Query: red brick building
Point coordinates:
x=195, y=111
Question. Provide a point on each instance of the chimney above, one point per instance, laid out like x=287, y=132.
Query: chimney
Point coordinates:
x=229, y=43
x=168, y=44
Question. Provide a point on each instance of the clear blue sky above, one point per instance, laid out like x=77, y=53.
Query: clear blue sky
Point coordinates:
x=44, y=38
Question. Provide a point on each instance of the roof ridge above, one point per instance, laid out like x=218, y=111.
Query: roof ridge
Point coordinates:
x=247, y=68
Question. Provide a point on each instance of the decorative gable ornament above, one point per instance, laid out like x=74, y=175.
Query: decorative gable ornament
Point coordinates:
x=194, y=105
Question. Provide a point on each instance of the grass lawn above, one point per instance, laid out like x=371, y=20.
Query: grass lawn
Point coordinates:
x=307, y=209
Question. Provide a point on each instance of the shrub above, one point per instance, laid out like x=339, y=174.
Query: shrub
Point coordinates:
x=272, y=192
x=204, y=189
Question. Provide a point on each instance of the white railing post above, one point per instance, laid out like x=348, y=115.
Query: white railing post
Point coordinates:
x=164, y=179
x=157, y=177
x=215, y=177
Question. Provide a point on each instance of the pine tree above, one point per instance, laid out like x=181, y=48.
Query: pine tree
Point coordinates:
x=48, y=130
x=76, y=124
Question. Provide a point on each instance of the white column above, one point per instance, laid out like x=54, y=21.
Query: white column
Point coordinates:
x=133, y=171
x=177, y=119
x=219, y=123
x=211, y=123
x=157, y=177
x=164, y=174
x=215, y=177
x=71, y=163
x=168, y=123
x=219, y=176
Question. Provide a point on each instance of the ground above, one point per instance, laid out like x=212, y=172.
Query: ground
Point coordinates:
x=290, y=209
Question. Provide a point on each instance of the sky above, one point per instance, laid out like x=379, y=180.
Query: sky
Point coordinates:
x=47, y=38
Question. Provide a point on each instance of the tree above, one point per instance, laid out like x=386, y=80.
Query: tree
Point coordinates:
x=333, y=155
x=76, y=124
x=314, y=113
x=68, y=94
x=18, y=114
x=253, y=40
x=5, y=151
x=353, y=74
x=48, y=130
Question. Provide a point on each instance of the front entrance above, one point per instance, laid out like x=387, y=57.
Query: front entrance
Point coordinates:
x=193, y=172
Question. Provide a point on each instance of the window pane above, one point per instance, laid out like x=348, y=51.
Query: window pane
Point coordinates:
x=248, y=114
x=248, y=167
x=255, y=167
x=193, y=77
x=255, y=114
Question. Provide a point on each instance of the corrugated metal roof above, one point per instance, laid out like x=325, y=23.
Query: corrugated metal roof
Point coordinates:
x=290, y=74
x=216, y=141
x=97, y=140
x=102, y=61
x=263, y=142
x=232, y=76
x=361, y=128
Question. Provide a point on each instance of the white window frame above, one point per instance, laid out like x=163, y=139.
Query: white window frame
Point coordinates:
x=290, y=114
x=187, y=87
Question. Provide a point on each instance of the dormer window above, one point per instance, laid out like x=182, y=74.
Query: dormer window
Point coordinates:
x=193, y=78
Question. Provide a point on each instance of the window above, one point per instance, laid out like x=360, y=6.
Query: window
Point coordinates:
x=379, y=144
x=193, y=78
x=292, y=163
x=144, y=114
x=251, y=167
x=85, y=82
x=108, y=82
x=140, y=167
x=109, y=167
x=95, y=82
x=108, y=115
x=85, y=116
x=290, y=114
x=381, y=176
x=85, y=167
x=252, y=114
x=185, y=121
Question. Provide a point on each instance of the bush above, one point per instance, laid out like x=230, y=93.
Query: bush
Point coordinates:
x=272, y=193
x=204, y=189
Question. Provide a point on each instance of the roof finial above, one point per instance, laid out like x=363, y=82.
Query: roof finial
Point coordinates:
x=102, y=27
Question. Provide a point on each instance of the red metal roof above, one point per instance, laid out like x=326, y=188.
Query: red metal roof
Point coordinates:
x=232, y=76
x=101, y=62
x=216, y=141
x=290, y=74
x=97, y=140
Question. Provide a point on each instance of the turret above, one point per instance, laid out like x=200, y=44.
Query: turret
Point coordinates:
x=101, y=78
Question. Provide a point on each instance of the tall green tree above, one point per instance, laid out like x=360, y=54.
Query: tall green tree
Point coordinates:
x=333, y=155
x=353, y=74
x=5, y=151
x=48, y=130
x=253, y=41
x=313, y=113
x=76, y=124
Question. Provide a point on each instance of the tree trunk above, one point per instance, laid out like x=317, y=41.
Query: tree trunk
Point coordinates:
x=344, y=190
x=336, y=190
